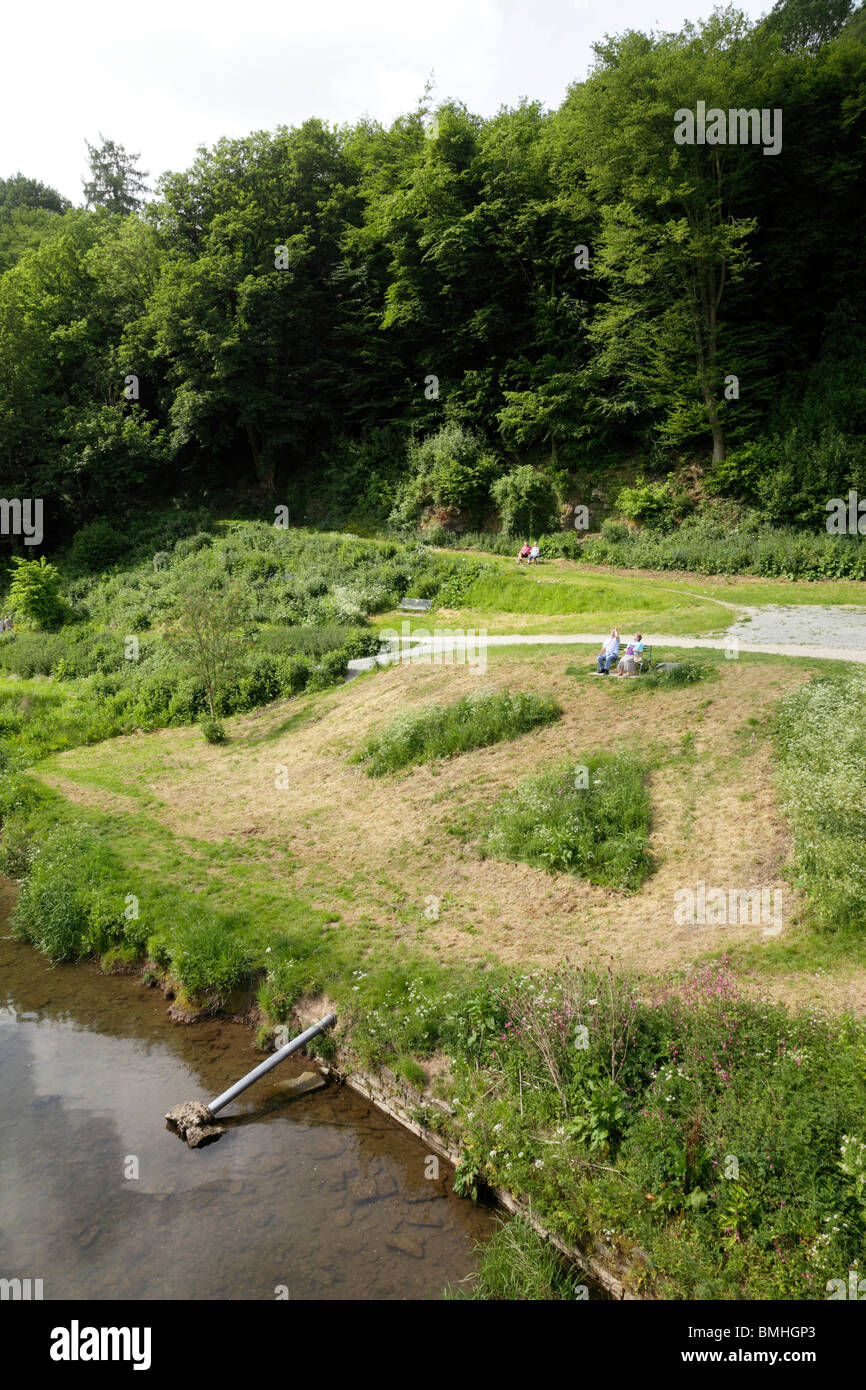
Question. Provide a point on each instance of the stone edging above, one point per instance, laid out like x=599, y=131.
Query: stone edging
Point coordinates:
x=375, y=1089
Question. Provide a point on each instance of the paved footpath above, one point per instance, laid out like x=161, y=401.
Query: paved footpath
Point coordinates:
x=444, y=643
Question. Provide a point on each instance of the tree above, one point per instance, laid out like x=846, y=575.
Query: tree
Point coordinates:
x=671, y=244
x=206, y=637
x=527, y=502
x=807, y=23
x=34, y=593
x=20, y=192
x=115, y=183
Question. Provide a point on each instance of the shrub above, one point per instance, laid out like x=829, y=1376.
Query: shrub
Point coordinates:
x=441, y=731
x=653, y=502
x=598, y=831
x=213, y=731
x=527, y=502
x=208, y=956
x=451, y=471
x=98, y=545
x=614, y=531
x=53, y=910
x=34, y=593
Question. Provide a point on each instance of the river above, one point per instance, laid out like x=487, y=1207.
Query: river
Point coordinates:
x=321, y=1197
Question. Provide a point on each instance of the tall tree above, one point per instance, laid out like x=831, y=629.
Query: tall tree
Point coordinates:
x=115, y=182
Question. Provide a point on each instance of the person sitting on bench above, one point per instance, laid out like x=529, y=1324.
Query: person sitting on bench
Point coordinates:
x=524, y=552
x=534, y=553
x=609, y=654
x=629, y=664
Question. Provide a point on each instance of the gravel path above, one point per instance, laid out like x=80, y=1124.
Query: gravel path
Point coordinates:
x=843, y=631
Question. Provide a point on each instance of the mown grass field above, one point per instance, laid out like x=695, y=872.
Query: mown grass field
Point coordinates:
x=214, y=818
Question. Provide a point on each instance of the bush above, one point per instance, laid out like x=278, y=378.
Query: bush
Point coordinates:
x=591, y=819
x=213, y=731
x=208, y=956
x=438, y=731
x=98, y=545
x=450, y=471
x=614, y=531
x=34, y=594
x=53, y=910
x=658, y=503
x=527, y=502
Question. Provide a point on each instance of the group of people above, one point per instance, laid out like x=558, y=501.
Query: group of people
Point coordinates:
x=529, y=553
x=627, y=665
x=6, y=624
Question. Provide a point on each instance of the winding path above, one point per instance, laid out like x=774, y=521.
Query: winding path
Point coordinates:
x=728, y=642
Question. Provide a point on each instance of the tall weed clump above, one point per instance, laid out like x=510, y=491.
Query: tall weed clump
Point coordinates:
x=443, y=731
x=590, y=818
x=821, y=747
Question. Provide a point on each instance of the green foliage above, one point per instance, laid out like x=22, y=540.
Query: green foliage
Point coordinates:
x=443, y=731
x=55, y=905
x=682, y=673
x=209, y=955
x=656, y=502
x=821, y=744
x=598, y=831
x=527, y=502
x=34, y=593
x=97, y=545
x=449, y=472
x=706, y=546
x=516, y=1264
x=681, y=1115
x=213, y=730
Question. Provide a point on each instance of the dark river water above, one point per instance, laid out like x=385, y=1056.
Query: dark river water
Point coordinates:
x=319, y=1197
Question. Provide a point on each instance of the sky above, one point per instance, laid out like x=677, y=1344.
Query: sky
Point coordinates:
x=166, y=76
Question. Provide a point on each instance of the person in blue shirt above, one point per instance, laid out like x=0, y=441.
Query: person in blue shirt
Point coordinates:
x=629, y=664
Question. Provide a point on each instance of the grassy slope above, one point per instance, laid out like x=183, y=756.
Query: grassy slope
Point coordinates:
x=562, y=596
x=212, y=818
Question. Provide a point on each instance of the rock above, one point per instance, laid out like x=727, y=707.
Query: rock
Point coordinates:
x=300, y=1085
x=407, y=1246
x=194, y=1123
x=375, y=1190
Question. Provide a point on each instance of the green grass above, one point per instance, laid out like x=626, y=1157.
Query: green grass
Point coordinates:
x=516, y=1265
x=443, y=731
x=590, y=818
x=821, y=747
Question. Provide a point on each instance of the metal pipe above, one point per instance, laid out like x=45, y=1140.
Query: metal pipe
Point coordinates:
x=270, y=1062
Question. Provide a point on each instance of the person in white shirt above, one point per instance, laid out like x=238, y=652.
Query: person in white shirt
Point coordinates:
x=534, y=554
x=609, y=654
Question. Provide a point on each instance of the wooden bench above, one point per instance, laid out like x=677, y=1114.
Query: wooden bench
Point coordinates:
x=415, y=605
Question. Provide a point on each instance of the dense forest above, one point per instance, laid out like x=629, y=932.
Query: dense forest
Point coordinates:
x=435, y=320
